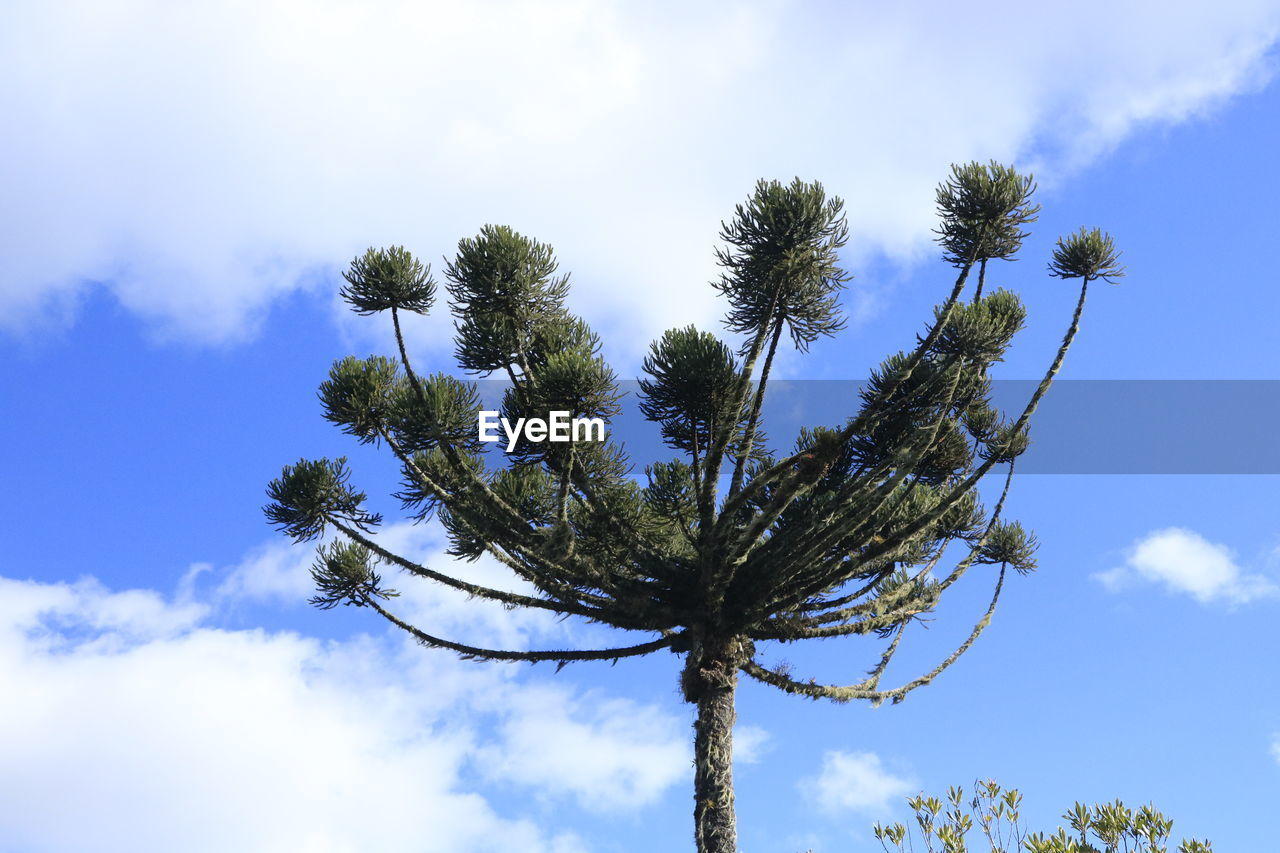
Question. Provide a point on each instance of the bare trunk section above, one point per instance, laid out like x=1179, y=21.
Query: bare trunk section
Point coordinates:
x=715, y=826
x=709, y=681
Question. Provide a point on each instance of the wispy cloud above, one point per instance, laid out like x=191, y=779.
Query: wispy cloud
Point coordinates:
x=612, y=755
x=750, y=743
x=200, y=162
x=158, y=730
x=855, y=782
x=1185, y=562
x=279, y=573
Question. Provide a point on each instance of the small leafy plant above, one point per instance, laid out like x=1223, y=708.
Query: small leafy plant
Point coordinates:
x=944, y=827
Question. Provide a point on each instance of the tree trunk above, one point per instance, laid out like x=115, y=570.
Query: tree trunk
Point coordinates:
x=715, y=825
x=709, y=681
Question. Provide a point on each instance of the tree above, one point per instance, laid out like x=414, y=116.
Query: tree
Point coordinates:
x=945, y=827
x=727, y=547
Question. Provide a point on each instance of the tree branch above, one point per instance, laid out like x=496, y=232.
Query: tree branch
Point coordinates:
x=753, y=419
x=475, y=653
x=865, y=689
x=510, y=599
x=945, y=504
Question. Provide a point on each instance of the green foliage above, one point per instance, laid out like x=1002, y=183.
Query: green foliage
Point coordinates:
x=981, y=331
x=983, y=209
x=733, y=546
x=343, y=574
x=671, y=497
x=1009, y=544
x=781, y=264
x=944, y=827
x=357, y=394
x=573, y=381
x=507, y=301
x=436, y=410
x=1088, y=254
x=312, y=493
x=389, y=279
x=692, y=389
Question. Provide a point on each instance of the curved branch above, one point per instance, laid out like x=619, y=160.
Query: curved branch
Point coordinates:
x=925, y=345
x=860, y=477
x=964, y=565
x=510, y=599
x=982, y=470
x=858, y=521
x=827, y=611
x=519, y=535
x=873, y=677
x=552, y=574
x=753, y=419
x=520, y=531
x=476, y=653
x=1057, y=361
x=865, y=689
x=720, y=438
x=497, y=504
x=735, y=502
x=898, y=693
x=817, y=625
x=875, y=622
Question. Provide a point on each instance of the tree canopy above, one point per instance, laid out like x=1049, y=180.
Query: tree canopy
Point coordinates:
x=730, y=546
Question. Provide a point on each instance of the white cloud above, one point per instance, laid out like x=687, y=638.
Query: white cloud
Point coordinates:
x=470, y=620
x=88, y=607
x=280, y=573
x=132, y=723
x=1183, y=561
x=277, y=572
x=202, y=161
x=855, y=782
x=1275, y=747
x=750, y=743
x=612, y=754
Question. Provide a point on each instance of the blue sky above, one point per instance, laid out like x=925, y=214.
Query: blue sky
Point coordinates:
x=182, y=190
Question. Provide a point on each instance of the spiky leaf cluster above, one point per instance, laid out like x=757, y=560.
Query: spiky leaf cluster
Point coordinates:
x=981, y=331
x=1089, y=253
x=781, y=264
x=983, y=208
x=357, y=395
x=391, y=278
x=691, y=389
x=343, y=573
x=670, y=497
x=371, y=399
x=432, y=411
x=308, y=495
x=505, y=293
x=573, y=381
x=1009, y=544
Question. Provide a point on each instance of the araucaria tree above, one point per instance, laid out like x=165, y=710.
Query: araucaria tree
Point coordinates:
x=729, y=547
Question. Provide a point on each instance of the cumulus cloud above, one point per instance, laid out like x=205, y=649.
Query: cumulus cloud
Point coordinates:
x=611, y=754
x=279, y=573
x=200, y=162
x=133, y=722
x=750, y=743
x=855, y=782
x=1183, y=561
